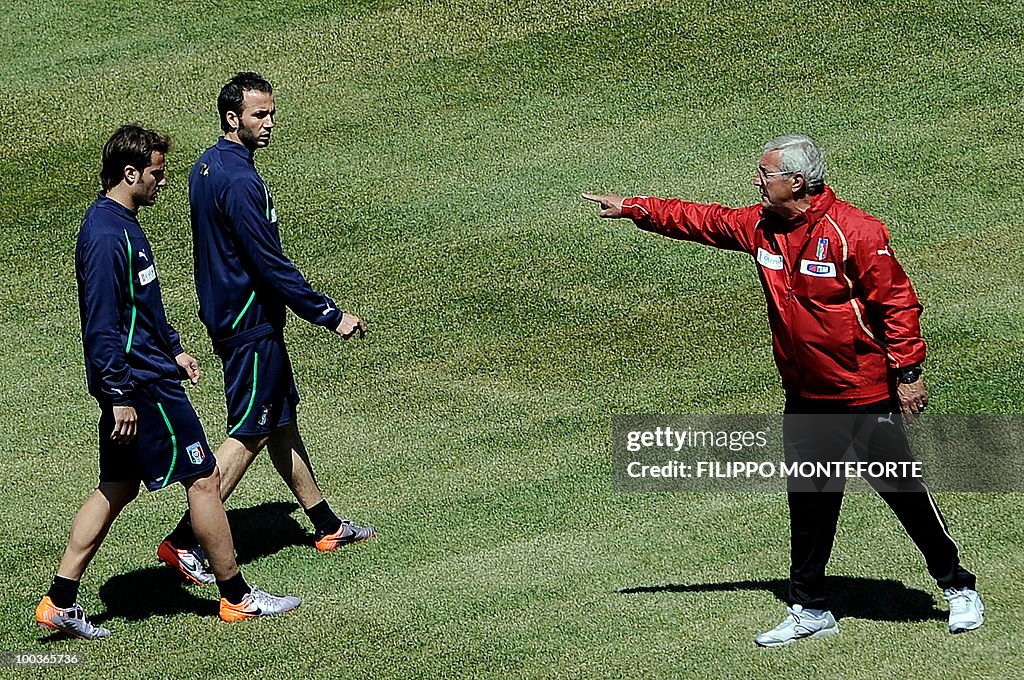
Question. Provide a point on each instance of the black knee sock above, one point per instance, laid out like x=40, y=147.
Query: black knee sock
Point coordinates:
x=63, y=592
x=183, y=536
x=234, y=589
x=323, y=518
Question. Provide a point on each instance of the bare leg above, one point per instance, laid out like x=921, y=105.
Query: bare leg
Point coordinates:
x=92, y=524
x=210, y=524
x=292, y=463
x=233, y=458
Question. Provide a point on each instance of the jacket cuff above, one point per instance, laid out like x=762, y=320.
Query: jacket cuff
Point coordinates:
x=332, y=320
x=632, y=208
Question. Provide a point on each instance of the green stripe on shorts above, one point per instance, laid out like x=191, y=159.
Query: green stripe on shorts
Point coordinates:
x=174, y=444
x=252, y=397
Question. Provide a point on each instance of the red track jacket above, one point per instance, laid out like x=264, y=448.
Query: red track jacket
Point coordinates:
x=841, y=308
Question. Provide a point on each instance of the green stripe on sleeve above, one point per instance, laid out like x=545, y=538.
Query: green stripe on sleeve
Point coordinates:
x=244, y=310
x=131, y=294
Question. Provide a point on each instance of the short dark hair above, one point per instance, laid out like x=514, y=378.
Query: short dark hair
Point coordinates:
x=129, y=145
x=231, y=95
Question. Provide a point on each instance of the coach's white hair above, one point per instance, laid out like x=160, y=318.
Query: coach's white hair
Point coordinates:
x=800, y=153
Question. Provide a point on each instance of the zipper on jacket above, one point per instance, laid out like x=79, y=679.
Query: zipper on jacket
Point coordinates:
x=790, y=271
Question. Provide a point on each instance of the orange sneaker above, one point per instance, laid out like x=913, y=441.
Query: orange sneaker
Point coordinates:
x=72, y=620
x=257, y=603
x=347, y=534
x=190, y=562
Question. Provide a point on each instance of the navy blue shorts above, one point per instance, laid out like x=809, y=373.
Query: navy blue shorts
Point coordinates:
x=170, y=445
x=259, y=387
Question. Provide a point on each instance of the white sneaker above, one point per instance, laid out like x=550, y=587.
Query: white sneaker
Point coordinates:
x=797, y=625
x=72, y=620
x=191, y=562
x=257, y=603
x=966, y=610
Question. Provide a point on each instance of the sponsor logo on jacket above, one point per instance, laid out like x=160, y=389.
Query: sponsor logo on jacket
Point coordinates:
x=147, y=275
x=769, y=261
x=820, y=269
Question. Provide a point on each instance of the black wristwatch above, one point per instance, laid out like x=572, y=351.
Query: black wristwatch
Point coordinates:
x=910, y=374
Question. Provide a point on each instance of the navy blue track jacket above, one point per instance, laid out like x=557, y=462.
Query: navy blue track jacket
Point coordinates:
x=127, y=339
x=243, y=278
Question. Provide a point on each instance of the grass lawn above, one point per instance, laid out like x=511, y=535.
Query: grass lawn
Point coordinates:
x=426, y=169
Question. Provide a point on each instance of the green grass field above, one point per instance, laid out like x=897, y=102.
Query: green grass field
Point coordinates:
x=426, y=168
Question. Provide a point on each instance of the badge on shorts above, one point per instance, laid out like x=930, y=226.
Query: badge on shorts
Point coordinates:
x=195, y=453
x=264, y=412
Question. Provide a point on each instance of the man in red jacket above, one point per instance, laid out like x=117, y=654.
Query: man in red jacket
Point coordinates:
x=848, y=346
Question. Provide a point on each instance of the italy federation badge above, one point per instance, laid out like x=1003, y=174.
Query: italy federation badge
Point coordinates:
x=822, y=251
x=195, y=453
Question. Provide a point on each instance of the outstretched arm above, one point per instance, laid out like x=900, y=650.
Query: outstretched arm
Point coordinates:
x=713, y=225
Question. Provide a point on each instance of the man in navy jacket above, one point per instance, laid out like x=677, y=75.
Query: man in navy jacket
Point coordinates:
x=134, y=362
x=244, y=282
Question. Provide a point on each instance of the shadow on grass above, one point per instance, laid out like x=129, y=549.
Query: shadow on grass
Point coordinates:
x=854, y=597
x=259, y=531
x=266, y=529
